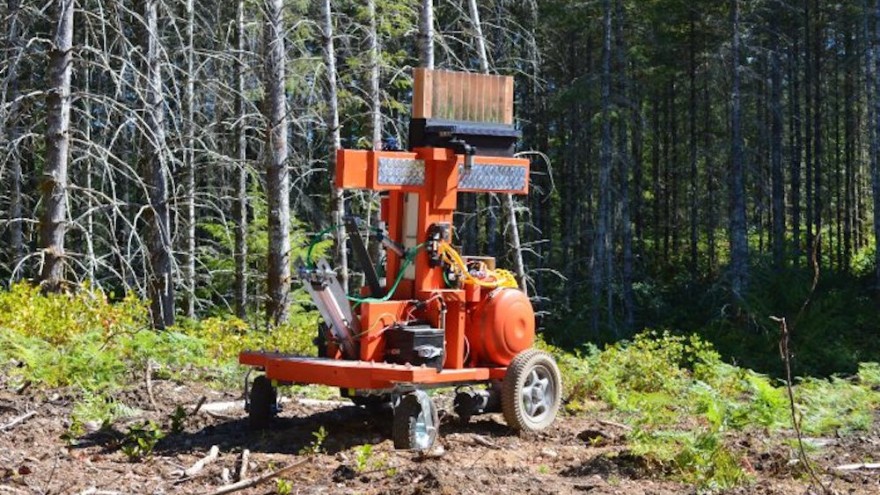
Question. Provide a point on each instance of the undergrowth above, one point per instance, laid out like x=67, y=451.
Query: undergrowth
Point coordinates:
x=92, y=347
x=680, y=398
x=683, y=402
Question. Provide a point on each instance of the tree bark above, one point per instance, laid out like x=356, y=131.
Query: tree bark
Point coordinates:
x=875, y=162
x=817, y=132
x=241, y=202
x=337, y=201
x=161, y=285
x=602, y=244
x=739, y=262
x=375, y=92
x=277, y=175
x=777, y=178
x=13, y=134
x=426, y=34
x=796, y=155
x=189, y=165
x=692, y=123
x=53, y=224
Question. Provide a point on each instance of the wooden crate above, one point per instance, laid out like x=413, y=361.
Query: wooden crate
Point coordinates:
x=462, y=96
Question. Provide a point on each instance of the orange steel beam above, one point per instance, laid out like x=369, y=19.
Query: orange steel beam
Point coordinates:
x=358, y=374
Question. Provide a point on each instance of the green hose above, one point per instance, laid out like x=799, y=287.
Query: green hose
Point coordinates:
x=407, y=260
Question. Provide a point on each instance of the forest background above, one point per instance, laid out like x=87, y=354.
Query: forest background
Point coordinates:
x=704, y=165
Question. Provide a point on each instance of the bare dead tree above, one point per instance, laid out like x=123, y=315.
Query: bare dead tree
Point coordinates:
x=426, y=34
x=277, y=175
x=189, y=165
x=161, y=286
x=53, y=224
x=337, y=201
x=241, y=199
x=12, y=132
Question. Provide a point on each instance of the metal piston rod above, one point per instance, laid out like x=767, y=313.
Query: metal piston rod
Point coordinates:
x=328, y=296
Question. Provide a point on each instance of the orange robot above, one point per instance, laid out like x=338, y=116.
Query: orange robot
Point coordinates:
x=439, y=319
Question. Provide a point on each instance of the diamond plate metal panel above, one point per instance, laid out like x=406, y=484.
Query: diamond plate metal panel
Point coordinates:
x=487, y=177
x=401, y=172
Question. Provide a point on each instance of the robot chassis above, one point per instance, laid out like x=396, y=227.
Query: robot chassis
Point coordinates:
x=442, y=319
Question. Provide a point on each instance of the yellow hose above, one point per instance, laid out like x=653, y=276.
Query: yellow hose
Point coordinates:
x=500, y=277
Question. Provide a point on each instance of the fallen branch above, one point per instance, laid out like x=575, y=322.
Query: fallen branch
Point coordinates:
x=94, y=491
x=241, y=485
x=853, y=467
x=148, y=378
x=485, y=442
x=245, y=459
x=615, y=425
x=198, y=406
x=15, y=422
x=220, y=416
x=201, y=463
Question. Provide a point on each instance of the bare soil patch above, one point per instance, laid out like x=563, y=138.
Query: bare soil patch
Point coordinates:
x=578, y=455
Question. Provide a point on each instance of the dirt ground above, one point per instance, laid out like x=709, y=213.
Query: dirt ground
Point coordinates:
x=482, y=457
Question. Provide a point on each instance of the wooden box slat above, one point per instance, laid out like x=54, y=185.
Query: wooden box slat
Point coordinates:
x=462, y=96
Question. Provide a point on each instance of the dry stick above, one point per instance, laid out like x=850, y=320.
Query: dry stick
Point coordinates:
x=241, y=485
x=18, y=420
x=201, y=463
x=245, y=459
x=786, y=359
x=198, y=406
x=853, y=467
x=616, y=425
x=148, y=377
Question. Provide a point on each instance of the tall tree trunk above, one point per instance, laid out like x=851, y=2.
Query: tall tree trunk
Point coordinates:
x=189, y=165
x=692, y=123
x=161, y=285
x=602, y=244
x=875, y=161
x=337, y=201
x=808, y=132
x=796, y=155
x=53, y=224
x=711, y=218
x=13, y=134
x=777, y=178
x=277, y=175
x=426, y=34
x=817, y=131
x=849, y=150
x=657, y=189
x=509, y=207
x=739, y=262
x=623, y=172
x=241, y=198
x=375, y=92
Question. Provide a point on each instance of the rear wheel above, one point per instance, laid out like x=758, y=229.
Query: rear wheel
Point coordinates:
x=531, y=392
x=262, y=402
x=416, y=422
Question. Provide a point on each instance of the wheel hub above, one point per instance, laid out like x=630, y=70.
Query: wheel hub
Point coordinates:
x=537, y=392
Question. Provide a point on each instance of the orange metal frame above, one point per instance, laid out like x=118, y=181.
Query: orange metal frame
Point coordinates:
x=437, y=198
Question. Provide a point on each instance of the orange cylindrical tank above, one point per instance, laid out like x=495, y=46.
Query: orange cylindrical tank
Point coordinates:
x=501, y=326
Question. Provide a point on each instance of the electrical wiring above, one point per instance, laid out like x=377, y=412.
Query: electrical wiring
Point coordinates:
x=493, y=279
x=407, y=260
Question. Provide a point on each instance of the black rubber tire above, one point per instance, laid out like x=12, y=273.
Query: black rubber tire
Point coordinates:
x=405, y=429
x=263, y=398
x=519, y=375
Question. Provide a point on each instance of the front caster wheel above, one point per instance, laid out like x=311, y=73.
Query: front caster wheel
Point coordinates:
x=531, y=392
x=415, y=422
x=262, y=403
